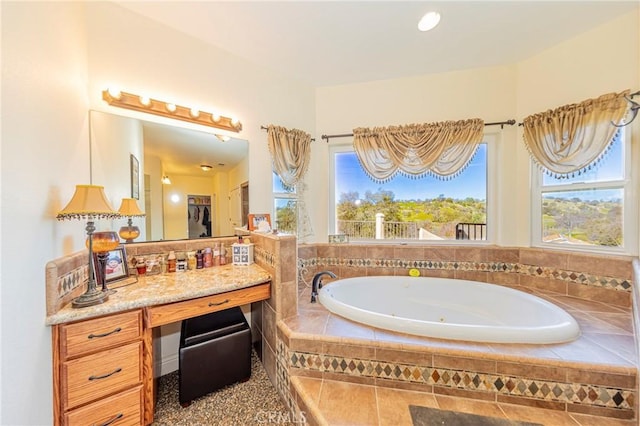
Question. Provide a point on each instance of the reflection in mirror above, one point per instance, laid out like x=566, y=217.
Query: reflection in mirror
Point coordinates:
x=208, y=194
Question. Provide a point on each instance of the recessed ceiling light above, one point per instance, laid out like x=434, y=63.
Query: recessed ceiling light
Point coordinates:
x=205, y=167
x=429, y=21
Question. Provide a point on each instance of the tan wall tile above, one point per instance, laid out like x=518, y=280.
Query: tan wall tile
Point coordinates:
x=503, y=254
x=461, y=363
x=544, y=283
x=614, y=297
x=529, y=371
x=613, y=413
x=463, y=393
x=623, y=381
x=408, y=253
x=404, y=357
x=288, y=304
x=544, y=258
x=600, y=265
x=439, y=253
x=530, y=402
x=470, y=254
x=472, y=276
x=349, y=351
x=379, y=252
x=408, y=386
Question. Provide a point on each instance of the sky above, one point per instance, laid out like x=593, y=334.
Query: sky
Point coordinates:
x=471, y=183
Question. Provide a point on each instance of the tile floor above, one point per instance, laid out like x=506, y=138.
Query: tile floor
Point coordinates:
x=607, y=339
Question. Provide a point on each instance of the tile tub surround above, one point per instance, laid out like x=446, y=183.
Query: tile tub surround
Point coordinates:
x=596, y=374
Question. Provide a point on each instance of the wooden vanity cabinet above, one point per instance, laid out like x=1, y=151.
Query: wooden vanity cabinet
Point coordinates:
x=98, y=371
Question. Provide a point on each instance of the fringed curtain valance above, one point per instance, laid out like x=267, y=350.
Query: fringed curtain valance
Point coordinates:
x=440, y=149
x=290, y=151
x=569, y=139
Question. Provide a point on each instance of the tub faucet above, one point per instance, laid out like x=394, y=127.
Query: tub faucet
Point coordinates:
x=317, y=283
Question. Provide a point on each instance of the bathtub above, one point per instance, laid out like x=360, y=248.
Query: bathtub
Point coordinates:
x=449, y=309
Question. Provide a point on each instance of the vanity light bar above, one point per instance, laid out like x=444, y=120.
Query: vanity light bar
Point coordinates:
x=170, y=110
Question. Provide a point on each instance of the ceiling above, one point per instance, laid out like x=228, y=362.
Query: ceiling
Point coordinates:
x=327, y=43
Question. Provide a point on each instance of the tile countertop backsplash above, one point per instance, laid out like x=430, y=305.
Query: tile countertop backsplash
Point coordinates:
x=166, y=288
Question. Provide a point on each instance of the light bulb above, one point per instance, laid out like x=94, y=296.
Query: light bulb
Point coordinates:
x=114, y=92
x=195, y=112
x=234, y=121
x=171, y=107
x=215, y=117
x=175, y=198
x=145, y=100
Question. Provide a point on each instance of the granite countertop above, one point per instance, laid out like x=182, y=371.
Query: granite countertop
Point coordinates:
x=167, y=288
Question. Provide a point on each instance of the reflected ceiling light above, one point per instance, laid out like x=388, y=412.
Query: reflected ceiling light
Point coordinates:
x=429, y=21
x=175, y=198
x=205, y=167
x=139, y=103
x=223, y=138
x=166, y=180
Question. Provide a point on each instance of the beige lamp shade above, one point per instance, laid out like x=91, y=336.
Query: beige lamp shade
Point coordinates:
x=129, y=208
x=88, y=202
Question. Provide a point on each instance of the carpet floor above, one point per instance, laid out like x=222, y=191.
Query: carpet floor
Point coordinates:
x=254, y=402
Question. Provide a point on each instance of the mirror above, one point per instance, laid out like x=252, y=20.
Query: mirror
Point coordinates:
x=199, y=202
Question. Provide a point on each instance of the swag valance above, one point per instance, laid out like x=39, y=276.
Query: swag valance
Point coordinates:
x=290, y=151
x=440, y=149
x=569, y=139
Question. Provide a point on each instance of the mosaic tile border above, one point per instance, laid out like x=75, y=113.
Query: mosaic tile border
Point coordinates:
x=67, y=283
x=614, y=283
x=544, y=390
x=265, y=257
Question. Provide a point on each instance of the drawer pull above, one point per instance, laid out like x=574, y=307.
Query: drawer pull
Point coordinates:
x=93, y=336
x=117, y=370
x=115, y=418
x=218, y=304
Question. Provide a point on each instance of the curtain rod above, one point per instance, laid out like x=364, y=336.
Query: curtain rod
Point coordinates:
x=266, y=128
x=496, y=123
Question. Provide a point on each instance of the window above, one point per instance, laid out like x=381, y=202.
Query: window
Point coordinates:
x=285, y=207
x=406, y=208
x=592, y=210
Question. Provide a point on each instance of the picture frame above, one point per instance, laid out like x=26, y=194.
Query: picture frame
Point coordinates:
x=338, y=238
x=116, y=267
x=255, y=219
x=135, y=177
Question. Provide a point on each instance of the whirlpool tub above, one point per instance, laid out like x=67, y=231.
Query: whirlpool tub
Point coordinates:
x=449, y=309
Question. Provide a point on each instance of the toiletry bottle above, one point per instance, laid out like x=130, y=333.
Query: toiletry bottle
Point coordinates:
x=216, y=254
x=181, y=262
x=223, y=255
x=171, y=262
x=199, y=259
x=208, y=257
x=191, y=260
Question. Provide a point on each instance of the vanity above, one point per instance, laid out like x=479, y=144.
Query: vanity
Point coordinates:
x=103, y=354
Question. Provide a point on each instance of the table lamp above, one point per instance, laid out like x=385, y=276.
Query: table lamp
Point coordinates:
x=90, y=203
x=103, y=243
x=129, y=208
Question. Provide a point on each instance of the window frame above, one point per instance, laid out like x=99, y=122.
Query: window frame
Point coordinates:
x=630, y=204
x=491, y=138
x=275, y=195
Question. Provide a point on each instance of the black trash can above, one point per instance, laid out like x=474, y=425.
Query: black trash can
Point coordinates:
x=215, y=351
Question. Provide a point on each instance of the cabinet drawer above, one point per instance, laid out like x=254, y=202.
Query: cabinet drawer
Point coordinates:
x=91, y=377
x=99, y=333
x=123, y=409
x=178, y=311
